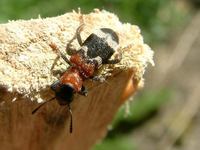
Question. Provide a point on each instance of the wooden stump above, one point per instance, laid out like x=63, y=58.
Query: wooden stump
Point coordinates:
x=25, y=76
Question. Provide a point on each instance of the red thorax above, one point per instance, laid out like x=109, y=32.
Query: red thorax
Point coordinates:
x=79, y=71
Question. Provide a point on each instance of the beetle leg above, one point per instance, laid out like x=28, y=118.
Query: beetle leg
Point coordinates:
x=55, y=62
x=83, y=91
x=98, y=78
x=69, y=49
x=65, y=58
x=77, y=36
x=97, y=61
x=79, y=30
x=116, y=60
x=60, y=54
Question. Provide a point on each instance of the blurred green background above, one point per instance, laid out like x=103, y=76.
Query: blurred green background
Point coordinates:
x=162, y=23
x=155, y=17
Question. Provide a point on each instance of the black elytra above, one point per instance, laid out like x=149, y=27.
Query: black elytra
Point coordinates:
x=102, y=44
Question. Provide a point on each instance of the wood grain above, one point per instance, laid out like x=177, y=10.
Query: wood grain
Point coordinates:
x=25, y=76
x=49, y=128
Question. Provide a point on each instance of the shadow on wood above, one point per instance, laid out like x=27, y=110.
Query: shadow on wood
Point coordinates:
x=49, y=127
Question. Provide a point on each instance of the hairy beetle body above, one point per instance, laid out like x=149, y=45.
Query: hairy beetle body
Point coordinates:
x=95, y=51
x=101, y=44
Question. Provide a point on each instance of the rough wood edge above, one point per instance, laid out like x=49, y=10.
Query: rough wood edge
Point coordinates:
x=48, y=129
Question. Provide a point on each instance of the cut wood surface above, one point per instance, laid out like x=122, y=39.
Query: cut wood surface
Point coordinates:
x=26, y=73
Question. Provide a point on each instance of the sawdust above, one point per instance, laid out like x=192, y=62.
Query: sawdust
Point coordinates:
x=26, y=57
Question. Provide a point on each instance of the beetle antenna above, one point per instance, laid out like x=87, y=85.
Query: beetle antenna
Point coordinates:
x=36, y=109
x=71, y=119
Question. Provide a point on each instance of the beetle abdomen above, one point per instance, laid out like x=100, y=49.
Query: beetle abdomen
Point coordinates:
x=103, y=43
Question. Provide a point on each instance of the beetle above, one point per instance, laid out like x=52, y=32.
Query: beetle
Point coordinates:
x=94, y=52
